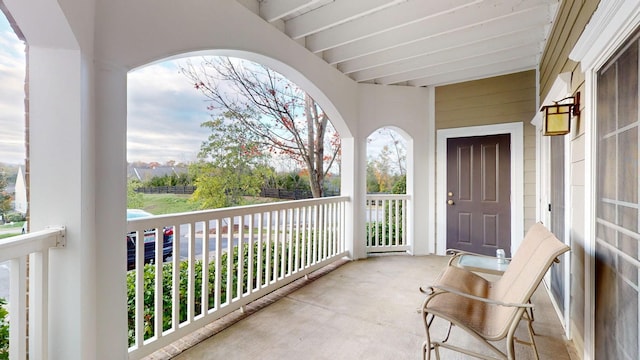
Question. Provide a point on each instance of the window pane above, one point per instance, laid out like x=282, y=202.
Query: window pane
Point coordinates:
x=628, y=86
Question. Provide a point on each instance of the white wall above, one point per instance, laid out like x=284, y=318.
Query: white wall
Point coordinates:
x=77, y=96
x=407, y=109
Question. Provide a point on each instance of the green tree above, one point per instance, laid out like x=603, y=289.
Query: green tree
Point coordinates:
x=181, y=179
x=5, y=199
x=275, y=111
x=227, y=170
x=400, y=186
x=372, y=180
x=382, y=169
x=134, y=199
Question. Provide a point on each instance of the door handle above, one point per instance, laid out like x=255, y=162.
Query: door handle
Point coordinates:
x=450, y=202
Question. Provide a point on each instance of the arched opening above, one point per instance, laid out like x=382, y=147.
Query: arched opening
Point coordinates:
x=193, y=117
x=174, y=126
x=180, y=113
x=386, y=162
x=386, y=209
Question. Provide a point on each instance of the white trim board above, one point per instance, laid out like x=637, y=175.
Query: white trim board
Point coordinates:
x=516, y=131
x=610, y=25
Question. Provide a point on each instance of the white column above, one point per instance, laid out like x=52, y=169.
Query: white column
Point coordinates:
x=110, y=204
x=62, y=178
x=422, y=181
x=352, y=182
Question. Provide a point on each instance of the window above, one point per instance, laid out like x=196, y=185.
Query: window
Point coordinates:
x=617, y=206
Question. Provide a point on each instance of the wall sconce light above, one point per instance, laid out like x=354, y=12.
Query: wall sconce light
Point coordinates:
x=557, y=117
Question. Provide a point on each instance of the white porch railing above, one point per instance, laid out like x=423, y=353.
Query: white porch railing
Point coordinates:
x=28, y=258
x=386, y=217
x=250, y=251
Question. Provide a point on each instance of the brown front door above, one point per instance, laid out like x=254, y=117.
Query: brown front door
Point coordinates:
x=478, y=194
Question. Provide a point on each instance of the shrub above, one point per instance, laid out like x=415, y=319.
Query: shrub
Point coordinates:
x=167, y=292
x=4, y=330
x=167, y=274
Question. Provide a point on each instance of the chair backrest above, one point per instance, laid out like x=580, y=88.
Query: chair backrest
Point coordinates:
x=527, y=268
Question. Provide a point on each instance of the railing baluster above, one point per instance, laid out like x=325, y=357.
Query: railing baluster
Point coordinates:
x=283, y=245
x=268, y=262
x=18, y=308
x=230, y=260
x=290, y=242
x=286, y=240
x=218, y=266
x=297, y=267
x=250, y=244
x=139, y=288
x=204, y=296
x=276, y=250
x=191, y=273
x=259, y=270
x=38, y=305
x=386, y=223
x=240, y=269
x=158, y=288
x=175, y=281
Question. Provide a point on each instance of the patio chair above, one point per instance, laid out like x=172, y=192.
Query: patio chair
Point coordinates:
x=490, y=311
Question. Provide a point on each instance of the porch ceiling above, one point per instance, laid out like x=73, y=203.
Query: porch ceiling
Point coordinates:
x=417, y=42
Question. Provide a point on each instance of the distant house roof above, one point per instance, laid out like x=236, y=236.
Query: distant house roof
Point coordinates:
x=147, y=173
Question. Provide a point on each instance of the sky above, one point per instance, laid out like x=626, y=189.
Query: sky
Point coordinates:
x=164, y=110
x=164, y=113
x=12, y=72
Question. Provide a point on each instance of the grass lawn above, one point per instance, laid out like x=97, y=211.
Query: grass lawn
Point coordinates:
x=17, y=224
x=159, y=204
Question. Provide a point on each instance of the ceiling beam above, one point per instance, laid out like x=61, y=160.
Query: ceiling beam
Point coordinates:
x=449, y=22
x=379, y=22
x=333, y=14
x=526, y=53
x=272, y=10
x=476, y=33
x=509, y=66
x=526, y=37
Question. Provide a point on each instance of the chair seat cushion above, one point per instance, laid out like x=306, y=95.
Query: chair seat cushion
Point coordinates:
x=488, y=320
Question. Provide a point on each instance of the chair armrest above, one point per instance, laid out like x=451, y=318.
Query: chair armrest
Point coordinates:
x=458, y=253
x=431, y=290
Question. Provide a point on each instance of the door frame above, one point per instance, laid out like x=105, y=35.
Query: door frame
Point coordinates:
x=516, y=132
x=610, y=25
x=560, y=88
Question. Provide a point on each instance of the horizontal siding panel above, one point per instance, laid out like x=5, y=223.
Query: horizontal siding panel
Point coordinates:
x=572, y=18
x=501, y=99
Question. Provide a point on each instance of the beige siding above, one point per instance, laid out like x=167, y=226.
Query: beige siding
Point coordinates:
x=501, y=99
x=572, y=18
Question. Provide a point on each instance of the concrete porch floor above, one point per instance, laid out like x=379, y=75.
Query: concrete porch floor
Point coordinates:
x=365, y=309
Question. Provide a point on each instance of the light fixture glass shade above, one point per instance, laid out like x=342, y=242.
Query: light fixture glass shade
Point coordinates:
x=557, y=119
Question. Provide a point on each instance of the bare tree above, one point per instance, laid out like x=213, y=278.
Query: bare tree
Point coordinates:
x=399, y=148
x=285, y=118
